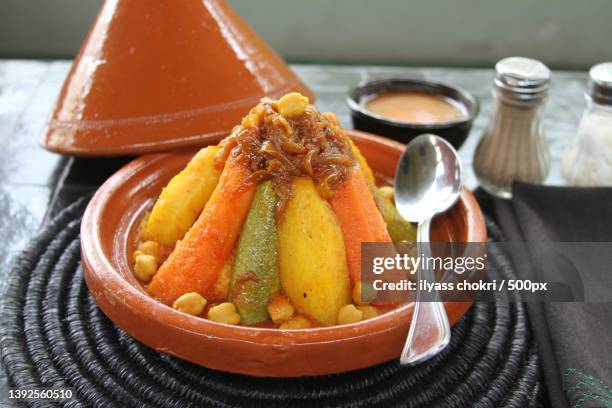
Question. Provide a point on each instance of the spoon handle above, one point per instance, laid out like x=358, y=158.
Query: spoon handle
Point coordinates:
x=429, y=331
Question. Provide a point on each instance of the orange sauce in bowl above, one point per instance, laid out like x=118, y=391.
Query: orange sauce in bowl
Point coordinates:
x=414, y=107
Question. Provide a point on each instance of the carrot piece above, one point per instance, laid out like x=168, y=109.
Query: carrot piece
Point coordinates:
x=195, y=263
x=359, y=218
x=365, y=167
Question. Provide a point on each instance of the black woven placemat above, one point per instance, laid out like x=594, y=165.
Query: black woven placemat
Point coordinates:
x=54, y=335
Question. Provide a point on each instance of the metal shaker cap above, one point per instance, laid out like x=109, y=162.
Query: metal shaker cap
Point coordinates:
x=522, y=78
x=600, y=83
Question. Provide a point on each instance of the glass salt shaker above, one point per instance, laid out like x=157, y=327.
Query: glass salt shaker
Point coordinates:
x=588, y=162
x=513, y=146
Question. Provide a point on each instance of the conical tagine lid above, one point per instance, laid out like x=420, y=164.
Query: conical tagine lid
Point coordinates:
x=159, y=74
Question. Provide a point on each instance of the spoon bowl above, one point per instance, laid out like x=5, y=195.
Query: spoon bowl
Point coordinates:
x=427, y=179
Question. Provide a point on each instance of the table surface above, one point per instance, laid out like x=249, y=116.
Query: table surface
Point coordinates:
x=30, y=176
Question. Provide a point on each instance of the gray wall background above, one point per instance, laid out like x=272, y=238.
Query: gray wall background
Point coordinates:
x=562, y=33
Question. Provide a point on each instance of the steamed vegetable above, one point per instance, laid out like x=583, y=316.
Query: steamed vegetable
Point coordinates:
x=220, y=289
x=365, y=167
x=359, y=218
x=195, y=263
x=312, y=258
x=276, y=236
x=182, y=200
x=255, y=275
x=399, y=229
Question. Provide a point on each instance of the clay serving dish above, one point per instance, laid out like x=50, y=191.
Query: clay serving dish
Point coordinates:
x=157, y=75
x=108, y=234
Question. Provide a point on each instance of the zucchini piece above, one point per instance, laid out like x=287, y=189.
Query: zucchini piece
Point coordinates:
x=399, y=229
x=255, y=275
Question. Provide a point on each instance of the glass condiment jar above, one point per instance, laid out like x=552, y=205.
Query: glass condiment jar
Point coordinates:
x=513, y=146
x=588, y=161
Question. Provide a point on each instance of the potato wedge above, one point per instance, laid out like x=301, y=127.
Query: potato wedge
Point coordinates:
x=312, y=256
x=183, y=199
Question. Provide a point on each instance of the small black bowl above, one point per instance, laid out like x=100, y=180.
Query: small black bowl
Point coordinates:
x=455, y=131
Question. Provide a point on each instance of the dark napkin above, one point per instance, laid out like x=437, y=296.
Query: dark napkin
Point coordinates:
x=574, y=338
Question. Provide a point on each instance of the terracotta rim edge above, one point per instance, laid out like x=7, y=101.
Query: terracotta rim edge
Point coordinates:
x=156, y=146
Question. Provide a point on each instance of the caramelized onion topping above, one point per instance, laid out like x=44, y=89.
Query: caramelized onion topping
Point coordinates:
x=279, y=149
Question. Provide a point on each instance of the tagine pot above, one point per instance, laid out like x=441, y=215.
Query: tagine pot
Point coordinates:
x=109, y=233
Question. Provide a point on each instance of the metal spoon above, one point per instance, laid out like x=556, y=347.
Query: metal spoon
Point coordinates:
x=427, y=182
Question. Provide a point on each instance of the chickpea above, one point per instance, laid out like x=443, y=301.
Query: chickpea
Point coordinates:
x=363, y=294
x=387, y=192
x=191, y=303
x=224, y=313
x=149, y=248
x=251, y=120
x=368, y=312
x=292, y=104
x=136, y=254
x=296, y=323
x=349, y=314
x=145, y=267
x=279, y=309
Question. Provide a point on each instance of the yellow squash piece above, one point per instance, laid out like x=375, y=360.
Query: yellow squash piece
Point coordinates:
x=183, y=199
x=312, y=258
